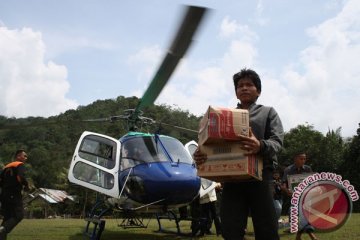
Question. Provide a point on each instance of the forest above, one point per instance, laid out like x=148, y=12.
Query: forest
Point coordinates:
x=50, y=142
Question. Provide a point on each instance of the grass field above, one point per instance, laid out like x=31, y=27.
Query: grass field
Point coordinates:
x=71, y=229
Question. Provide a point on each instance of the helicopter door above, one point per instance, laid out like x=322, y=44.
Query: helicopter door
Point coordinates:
x=95, y=164
x=191, y=147
x=206, y=184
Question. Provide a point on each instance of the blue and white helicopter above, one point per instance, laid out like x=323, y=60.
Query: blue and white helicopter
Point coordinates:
x=142, y=172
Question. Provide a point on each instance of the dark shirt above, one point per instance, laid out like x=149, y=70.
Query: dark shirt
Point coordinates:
x=14, y=181
x=292, y=170
x=266, y=125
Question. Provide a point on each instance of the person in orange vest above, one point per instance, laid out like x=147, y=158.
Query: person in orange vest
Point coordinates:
x=13, y=181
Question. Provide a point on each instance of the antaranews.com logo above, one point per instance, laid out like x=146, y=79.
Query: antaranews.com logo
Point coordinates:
x=323, y=200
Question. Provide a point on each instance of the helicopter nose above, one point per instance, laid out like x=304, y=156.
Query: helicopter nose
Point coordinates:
x=157, y=181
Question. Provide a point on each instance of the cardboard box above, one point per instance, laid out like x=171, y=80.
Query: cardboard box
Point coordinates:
x=227, y=162
x=219, y=124
x=295, y=179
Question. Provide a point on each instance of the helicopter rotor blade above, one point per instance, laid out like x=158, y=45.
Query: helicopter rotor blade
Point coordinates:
x=107, y=119
x=37, y=123
x=178, y=127
x=179, y=46
x=47, y=122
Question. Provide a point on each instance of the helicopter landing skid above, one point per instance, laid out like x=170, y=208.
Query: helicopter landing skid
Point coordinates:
x=134, y=222
x=95, y=232
x=195, y=224
x=94, y=224
x=170, y=215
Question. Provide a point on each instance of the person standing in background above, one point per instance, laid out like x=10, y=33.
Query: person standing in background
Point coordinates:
x=209, y=212
x=13, y=182
x=277, y=193
x=298, y=167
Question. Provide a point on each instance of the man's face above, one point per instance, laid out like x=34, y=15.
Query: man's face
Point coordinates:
x=276, y=175
x=300, y=160
x=22, y=157
x=246, y=91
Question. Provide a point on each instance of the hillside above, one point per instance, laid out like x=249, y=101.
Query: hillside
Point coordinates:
x=50, y=142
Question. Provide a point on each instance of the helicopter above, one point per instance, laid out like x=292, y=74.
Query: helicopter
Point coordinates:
x=141, y=172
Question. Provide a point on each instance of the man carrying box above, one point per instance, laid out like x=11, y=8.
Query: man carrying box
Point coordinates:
x=265, y=140
x=219, y=133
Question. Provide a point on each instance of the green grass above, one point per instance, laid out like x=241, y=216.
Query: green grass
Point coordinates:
x=71, y=229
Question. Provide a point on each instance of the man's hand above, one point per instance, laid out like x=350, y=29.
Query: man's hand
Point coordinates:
x=250, y=144
x=199, y=157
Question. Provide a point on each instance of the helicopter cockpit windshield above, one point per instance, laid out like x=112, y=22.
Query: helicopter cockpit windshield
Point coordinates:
x=147, y=149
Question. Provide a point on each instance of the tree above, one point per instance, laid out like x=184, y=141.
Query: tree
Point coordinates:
x=351, y=166
x=332, y=150
x=302, y=138
x=324, y=153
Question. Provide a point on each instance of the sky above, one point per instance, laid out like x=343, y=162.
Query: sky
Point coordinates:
x=58, y=55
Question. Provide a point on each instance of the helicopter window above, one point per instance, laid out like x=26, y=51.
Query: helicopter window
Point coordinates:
x=93, y=175
x=176, y=150
x=141, y=150
x=145, y=149
x=98, y=150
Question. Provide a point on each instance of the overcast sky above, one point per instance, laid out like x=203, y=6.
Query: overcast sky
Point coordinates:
x=57, y=55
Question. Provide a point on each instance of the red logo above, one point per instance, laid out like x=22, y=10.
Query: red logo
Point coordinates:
x=326, y=206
